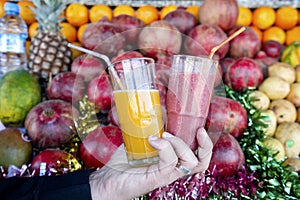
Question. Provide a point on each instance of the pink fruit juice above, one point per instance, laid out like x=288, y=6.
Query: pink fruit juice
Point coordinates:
x=188, y=100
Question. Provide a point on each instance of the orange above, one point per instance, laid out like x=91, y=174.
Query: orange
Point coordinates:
x=33, y=29
x=80, y=32
x=77, y=14
x=27, y=48
x=123, y=9
x=244, y=17
x=299, y=17
x=2, y=8
x=263, y=17
x=292, y=35
x=75, y=52
x=274, y=33
x=68, y=31
x=258, y=32
x=194, y=10
x=167, y=9
x=286, y=17
x=100, y=10
x=26, y=13
x=147, y=14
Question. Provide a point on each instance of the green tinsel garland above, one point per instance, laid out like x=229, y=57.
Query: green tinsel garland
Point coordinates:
x=278, y=181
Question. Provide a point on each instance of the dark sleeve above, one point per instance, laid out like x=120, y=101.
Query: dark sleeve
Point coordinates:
x=71, y=186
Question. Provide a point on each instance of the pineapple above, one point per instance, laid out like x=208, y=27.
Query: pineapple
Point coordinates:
x=48, y=52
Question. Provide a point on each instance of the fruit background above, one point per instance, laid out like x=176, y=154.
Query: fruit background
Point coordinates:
x=257, y=95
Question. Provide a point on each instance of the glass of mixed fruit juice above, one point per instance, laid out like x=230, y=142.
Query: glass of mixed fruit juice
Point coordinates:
x=189, y=93
x=138, y=106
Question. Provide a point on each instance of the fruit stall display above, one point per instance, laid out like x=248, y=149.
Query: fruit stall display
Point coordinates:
x=56, y=110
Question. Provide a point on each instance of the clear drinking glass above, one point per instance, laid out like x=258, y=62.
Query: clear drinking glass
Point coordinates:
x=138, y=106
x=189, y=93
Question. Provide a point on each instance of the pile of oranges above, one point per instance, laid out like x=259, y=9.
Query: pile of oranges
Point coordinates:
x=282, y=24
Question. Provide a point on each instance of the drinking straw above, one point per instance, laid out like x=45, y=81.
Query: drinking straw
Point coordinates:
x=101, y=56
x=216, y=48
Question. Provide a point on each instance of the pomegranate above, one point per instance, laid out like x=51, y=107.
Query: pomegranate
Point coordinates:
x=163, y=69
x=182, y=19
x=273, y=48
x=226, y=115
x=158, y=39
x=243, y=73
x=50, y=160
x=87, y=66
x=246, y=44
x=113, y=116
x=130, y=25
x=99, y=145
x=66, y=86
x=225, y=62
x=103, y=37
x=50, y=123
x=227, y=155
x=126, y=55
x=202, y=38
x=100, y=92
x=222, y=13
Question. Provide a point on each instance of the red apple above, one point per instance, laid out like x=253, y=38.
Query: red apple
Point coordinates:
x=113, y=116
x=99, y=145
x=87, y=66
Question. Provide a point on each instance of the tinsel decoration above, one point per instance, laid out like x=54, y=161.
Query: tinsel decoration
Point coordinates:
x=87, y=120
x=262, y=177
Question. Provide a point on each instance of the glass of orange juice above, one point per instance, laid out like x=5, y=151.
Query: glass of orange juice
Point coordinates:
x=138, y=106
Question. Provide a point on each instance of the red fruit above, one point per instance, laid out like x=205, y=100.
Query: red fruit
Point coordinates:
x=226, y=115
x=264, y=62
x=225, y=62
x=66, y=86
x=163, y=69
x=272, y=48
x=227, y=155
x=104, y=38
x=182, y=19
x=203, y=38
x=126, y=55
x=87, y=66
x=222, y=13
x=48, y=160
x=50, y=123
x=243, y=73
x=219, y=75
x=132, y=25
x=113, y=116
x=246, y=44
x=100, y=92
x=159, y=38
x=99, y=145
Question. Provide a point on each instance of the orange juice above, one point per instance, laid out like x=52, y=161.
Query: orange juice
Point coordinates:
x=140, y=116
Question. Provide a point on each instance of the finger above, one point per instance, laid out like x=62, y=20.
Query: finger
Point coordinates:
x=184, y=153
x=204, y=150
x=167, y=155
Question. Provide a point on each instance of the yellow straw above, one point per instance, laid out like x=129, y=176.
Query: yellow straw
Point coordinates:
x=101, y=56
x=216, y=48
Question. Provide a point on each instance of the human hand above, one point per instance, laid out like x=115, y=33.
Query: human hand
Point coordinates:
x=118, y=180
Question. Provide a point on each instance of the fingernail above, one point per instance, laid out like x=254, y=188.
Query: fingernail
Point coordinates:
x=167, y=135
x=152, y=137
